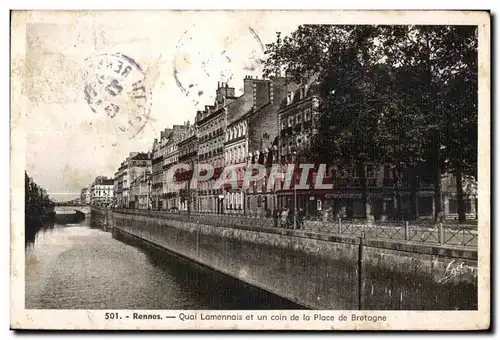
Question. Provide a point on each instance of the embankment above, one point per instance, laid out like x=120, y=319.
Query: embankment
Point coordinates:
x=320, y=271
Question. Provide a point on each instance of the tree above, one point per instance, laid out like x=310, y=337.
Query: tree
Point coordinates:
x=390, y=96
x=351, y=106
x=443, y=60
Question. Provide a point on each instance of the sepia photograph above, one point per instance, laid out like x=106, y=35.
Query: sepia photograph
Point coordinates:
x=250, y=170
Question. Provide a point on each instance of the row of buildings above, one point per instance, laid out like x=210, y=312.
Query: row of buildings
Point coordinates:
x=269, y=123
x=100, y=192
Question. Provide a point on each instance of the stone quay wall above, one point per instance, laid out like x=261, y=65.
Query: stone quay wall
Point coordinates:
x=319, y=271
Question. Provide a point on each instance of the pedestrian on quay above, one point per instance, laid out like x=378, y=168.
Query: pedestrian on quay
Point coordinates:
x=284, y=218
x=276, y=217
x=300, y=218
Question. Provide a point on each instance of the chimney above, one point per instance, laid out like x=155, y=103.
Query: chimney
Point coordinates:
x=248, y=87
x=223, y=91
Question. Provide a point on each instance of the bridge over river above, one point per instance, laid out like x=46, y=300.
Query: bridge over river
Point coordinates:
x=72, y=208
x=70, y=214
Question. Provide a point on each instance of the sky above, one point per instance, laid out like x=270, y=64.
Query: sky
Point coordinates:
x=183, y=56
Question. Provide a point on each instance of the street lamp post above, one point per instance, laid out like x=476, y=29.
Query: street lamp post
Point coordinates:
x=148, y=196
x=189, y=202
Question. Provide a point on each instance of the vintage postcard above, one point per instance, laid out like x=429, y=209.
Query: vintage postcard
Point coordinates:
x=250, y=170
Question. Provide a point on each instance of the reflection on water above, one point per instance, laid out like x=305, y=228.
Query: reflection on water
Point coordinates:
x=79, y=267
x=32, y=229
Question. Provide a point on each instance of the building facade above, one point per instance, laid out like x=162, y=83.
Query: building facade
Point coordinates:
x=263, y=142
x=121, y=182
x=138, y=166
x=158, y=151
x=170, y=195
x=272, y=123
x=102, y=191
x=210, y=125
x=188, y=154
x=140, y=190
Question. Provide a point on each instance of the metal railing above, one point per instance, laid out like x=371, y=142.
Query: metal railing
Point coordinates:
x=421, y=232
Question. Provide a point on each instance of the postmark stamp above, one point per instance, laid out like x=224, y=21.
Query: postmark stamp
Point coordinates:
x=115, y=86
x=194, y=68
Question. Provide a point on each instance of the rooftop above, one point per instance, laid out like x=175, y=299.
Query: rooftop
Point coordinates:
x=141, y=157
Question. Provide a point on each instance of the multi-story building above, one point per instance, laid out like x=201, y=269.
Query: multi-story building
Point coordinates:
x=117, y=191
x=251, y=125
x=118, y=185
x=170, y=195
x=211, y=124
x=263, y=139
x=138, y=165
x=101, y=191
x=188, y=154
x=134, y=193
x=297, y=118
x=158, y=151
x=145, y=201
x=298, y=121
x=121, y=184
x=140, y=190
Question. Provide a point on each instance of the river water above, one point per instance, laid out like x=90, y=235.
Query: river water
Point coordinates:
x=81, y=267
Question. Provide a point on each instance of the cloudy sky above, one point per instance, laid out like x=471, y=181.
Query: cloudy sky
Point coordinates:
x=183, y=56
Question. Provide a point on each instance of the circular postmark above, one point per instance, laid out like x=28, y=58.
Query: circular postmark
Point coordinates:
x=115, y=86
x=196, y=68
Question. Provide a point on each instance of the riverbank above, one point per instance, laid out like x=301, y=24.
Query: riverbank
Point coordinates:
x=320, y=271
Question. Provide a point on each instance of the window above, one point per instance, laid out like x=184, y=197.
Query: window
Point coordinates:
x=299, y=118
x=307, y=115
